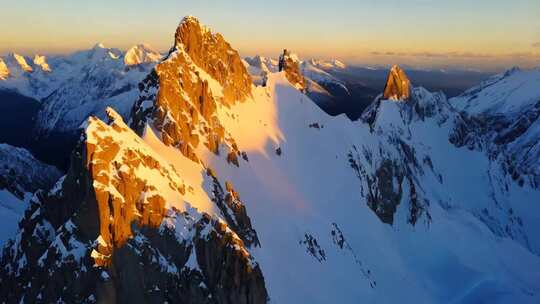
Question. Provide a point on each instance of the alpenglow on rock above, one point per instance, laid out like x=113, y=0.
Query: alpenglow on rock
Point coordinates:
x=290, y=63
x=398, y=86
x=122, y=221
x=181, y=95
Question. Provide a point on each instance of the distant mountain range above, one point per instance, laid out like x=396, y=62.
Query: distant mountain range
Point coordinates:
x=197, y=176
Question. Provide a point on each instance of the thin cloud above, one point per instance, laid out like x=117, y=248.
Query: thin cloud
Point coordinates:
x=459, y=55
x=536, y=45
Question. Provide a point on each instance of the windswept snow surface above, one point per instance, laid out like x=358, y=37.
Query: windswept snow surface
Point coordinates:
x=320, y=243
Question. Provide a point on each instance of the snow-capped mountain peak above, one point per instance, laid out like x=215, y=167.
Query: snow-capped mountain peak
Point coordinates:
x=99, y=52
x=22, y=63
x=213, y=75
x=334, y=64
x=311, y=70
x=41, y=61
x=141, y=54
x=220, y=191
x=98, y=45
x=338, y=64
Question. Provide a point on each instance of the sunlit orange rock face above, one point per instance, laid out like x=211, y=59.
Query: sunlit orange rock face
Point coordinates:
x=291, y=66
x=123, y=196
x=398, y=86
x=216, y=57
x=181, y=96
x=122, y=207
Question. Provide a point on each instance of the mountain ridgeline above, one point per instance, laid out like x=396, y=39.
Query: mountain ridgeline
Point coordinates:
x=200, y=177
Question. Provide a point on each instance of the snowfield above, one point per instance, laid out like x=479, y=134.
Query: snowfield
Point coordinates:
x=414, y=202
x=320, y=242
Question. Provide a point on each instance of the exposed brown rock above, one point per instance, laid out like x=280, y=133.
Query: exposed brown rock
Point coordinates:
x=108, y=236
x=291, y=65
x=382, y=196
x=97, y=240
x=232, y=276
x=181, y=96
x=398, y=86
x=120, y=193
x=215, y=56
x=233, y=210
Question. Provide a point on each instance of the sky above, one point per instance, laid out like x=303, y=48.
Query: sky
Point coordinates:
x=479, y=34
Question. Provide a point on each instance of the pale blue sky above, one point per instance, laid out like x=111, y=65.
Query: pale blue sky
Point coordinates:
x=495, y=32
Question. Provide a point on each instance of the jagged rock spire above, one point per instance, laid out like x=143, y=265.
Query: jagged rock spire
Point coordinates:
x=398, y=86
x=290, y=63
x=213, y=54
x=201, y=72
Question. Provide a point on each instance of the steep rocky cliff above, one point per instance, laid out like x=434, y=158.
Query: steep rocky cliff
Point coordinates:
x=124, y=225
x=290, y=63
x=214, y=199
x=398, y=86
x=118, y=229
x=181, y=95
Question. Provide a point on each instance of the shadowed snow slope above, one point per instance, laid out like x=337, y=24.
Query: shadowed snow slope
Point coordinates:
x=309, y=203
x=20, y=175
x=227, y=192
x=503, y=114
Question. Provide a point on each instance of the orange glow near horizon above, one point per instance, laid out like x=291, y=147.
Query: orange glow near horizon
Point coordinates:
x=420, y=32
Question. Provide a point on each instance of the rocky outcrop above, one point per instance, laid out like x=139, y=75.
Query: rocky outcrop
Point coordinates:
x=398, y=86
x=291, y=65
x=107, y=233
x=385, y=191
x=215, y=56
x=180, y=97
x=123, y=195
x=233, y=210
x=392, y=182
